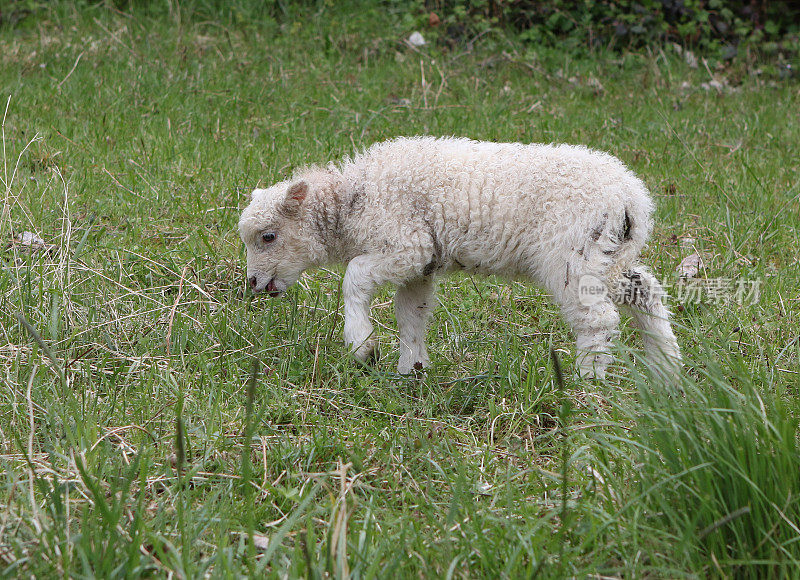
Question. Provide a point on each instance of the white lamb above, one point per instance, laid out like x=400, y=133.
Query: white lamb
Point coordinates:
x=408, y=210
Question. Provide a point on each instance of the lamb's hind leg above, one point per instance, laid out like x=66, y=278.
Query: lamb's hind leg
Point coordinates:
x=595, y=325
x=413, y=305
x=584, y=294
x=642, y=294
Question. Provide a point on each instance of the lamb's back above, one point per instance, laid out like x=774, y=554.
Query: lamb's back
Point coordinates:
x=478, y=198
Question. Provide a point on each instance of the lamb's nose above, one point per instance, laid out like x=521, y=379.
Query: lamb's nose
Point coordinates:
x=252, y=281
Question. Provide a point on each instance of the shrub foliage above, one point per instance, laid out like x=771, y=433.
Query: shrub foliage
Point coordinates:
x=706, y=24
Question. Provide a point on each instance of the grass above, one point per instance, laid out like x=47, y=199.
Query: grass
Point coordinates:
x=140, y=438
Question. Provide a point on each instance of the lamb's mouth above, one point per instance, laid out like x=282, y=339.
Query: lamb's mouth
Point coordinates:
x=272, y=290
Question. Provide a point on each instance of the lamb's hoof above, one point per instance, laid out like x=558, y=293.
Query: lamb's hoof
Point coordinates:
x=407, y=368
x=368, y=353
x=592, y=366
x=590, y=375
x=668, y=371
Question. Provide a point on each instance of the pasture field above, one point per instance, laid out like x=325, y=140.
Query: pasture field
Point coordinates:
x=157, y=420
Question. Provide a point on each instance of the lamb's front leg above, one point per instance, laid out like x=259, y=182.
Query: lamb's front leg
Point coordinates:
x=413, y=304
x=362, y=278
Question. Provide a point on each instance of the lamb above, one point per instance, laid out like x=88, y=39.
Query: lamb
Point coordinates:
x=408, y=210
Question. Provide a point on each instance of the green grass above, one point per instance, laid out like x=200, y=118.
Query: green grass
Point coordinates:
x=136, y=437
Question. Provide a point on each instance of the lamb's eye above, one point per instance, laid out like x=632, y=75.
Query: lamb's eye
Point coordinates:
x=268, y=237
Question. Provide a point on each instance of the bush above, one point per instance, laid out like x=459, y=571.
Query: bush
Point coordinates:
x=705, y=24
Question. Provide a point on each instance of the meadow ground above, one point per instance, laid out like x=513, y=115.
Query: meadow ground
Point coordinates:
x=138, y=438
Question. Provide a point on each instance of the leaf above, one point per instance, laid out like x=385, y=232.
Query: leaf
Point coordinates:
x=260, y=542
x=690, y=266
x=29, y=242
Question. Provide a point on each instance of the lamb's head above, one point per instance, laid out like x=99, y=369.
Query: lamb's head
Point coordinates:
x=279, y=244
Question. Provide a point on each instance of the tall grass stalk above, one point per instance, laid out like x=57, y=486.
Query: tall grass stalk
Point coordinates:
x=717, y=472
x=247, y=488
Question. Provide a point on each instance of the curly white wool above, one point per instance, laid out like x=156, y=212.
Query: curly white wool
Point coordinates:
x=410, y=209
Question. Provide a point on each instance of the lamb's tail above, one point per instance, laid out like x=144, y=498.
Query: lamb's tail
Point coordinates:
x=617, y=239
x=642, y=294
x=631, y=233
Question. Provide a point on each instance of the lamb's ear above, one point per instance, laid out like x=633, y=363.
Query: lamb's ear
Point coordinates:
x=295, y=196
